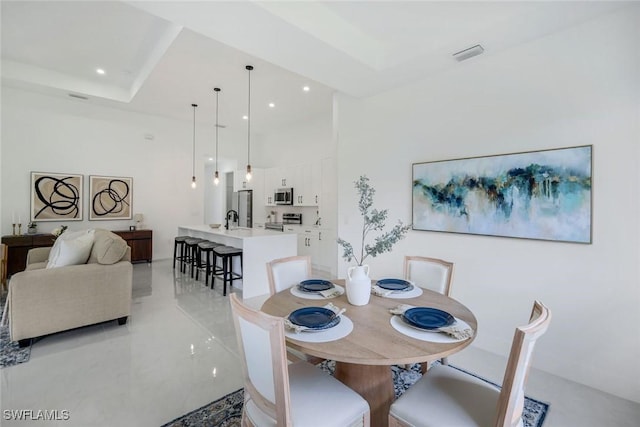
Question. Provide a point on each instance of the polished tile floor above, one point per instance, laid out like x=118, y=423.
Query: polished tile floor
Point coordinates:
x=178, y=352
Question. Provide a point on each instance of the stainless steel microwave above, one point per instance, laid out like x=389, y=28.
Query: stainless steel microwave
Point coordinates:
x=283, y=196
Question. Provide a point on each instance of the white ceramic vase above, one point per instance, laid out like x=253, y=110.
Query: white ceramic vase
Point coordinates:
x=358, y=285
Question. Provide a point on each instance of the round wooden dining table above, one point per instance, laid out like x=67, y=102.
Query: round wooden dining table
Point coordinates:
x=363, y=358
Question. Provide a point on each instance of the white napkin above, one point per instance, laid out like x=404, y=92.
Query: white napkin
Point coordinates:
x=453, y=330
x=297, y=328
x=378, y=291
x=330, y=293
x=400, y=309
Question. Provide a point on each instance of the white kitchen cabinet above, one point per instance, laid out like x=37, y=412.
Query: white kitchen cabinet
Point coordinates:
x=240, y=181
x=326, y=252
x=308, y=184
x=319, y=244
x=308, y=244
x=285, y=177
x=298, y=189
x=271, y=176
x=303, y=247
x=305, y=179
x=293, y=228
x=275, y=178
x=327, y=205
x=315, y=186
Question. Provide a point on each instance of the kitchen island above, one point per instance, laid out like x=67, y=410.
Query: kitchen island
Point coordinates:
x=259, y=246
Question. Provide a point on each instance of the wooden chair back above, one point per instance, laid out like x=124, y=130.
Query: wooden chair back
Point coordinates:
x=511, y=400
x=264, y=363
x=429, y=273
x=284, y=273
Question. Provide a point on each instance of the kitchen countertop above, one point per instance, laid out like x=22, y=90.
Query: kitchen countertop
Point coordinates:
x=259, y=246
x=311, y=226
x=239, y=233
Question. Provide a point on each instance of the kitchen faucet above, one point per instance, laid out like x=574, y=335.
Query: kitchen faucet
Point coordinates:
x=226, y=218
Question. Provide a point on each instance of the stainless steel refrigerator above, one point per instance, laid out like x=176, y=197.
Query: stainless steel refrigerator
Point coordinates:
x=245, y=208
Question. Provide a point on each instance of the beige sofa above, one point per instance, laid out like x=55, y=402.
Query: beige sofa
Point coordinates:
x=47, y=300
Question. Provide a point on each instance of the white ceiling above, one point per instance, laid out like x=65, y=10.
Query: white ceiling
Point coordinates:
x=162, y=56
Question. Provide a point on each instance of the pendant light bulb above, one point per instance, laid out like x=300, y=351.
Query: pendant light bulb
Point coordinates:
x=193, y=182
x=216, y=178
x=248, y=176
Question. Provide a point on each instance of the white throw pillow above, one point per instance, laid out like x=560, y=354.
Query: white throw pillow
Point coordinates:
x=71, y=248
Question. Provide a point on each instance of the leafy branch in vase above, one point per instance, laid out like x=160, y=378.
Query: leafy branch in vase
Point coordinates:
x=373, y=220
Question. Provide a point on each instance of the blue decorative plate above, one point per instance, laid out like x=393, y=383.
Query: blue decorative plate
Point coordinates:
x=427, y=318
x=394, y=284
x=314, y=318
x=315, y=285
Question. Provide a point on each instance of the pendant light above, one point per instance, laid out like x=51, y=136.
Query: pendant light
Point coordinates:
x=249, y=68
x=216, y=175
x=193, y=177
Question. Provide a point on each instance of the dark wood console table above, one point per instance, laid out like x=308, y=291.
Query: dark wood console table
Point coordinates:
x=18, y=246
x=140, y=242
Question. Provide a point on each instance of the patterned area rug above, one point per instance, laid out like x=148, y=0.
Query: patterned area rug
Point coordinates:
x=224, y=412
x=227, y=411
x=10, y=352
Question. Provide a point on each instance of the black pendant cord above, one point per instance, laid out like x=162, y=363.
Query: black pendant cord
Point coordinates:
x=193, y=169
x=217, y=103
x=249, y=68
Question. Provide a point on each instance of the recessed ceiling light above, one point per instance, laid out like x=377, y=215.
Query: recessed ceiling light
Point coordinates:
x=245, y=118
x=306, y=88
x=210, y=159
x=100, y=71
x=272, y=105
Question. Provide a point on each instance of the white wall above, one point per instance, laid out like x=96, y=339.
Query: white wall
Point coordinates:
x=54, y=134
x=297, y=143
x=580, y=86
x=215, y=202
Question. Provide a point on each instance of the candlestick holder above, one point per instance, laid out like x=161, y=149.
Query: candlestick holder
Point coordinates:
x=13, y=233
x=19, y=229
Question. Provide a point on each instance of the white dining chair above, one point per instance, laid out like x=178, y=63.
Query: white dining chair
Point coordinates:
x=448, y=397
x=282, y=394
x=429, y=273
x=284, y=273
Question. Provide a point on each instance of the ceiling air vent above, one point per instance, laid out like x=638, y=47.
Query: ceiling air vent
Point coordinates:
x=468, y=53
x=73, y=95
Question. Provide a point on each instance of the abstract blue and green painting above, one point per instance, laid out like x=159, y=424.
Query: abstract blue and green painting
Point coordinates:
x=536, y=195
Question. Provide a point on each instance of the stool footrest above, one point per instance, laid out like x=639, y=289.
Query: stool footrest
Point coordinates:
x=226, y=254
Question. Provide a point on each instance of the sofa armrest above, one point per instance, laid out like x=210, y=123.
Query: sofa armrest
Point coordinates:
x=38, y=255
x=127, y=255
